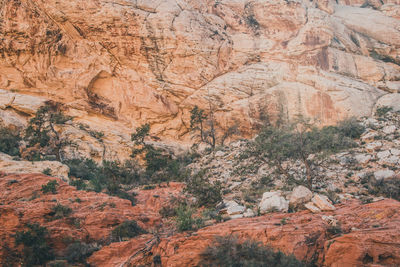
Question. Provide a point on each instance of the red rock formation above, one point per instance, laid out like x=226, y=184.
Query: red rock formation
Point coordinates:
x=93, y=216
x=370, y=236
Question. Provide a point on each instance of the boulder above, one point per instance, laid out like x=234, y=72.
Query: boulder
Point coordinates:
x=273, y=201
x=299, y=196
x=363, y=158
x=322, y=202
x=383, y=174
x=233, y=208
x=390, y=129
x=311, y=207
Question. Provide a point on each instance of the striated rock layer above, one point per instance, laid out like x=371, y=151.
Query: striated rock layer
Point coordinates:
x=370, y=237
x=140, y=61
x=93, y=215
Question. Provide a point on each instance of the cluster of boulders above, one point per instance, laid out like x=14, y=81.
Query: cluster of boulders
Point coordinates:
x=277, y=201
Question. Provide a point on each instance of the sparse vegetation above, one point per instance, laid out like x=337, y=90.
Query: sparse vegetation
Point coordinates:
x=47, y=171
x=207, y=194
x=382, y=110
x=389, y=187
x=50, y=187
x=36, y=250
x=59, y=211
x=78, y=252
x=107, y=178
x=298, y=141
x=41, y=133
x=9, y=142
x=127, y=229
x=229, y=251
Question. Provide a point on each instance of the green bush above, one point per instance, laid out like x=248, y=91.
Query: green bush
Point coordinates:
x=389, y=187
x=36, y=250
x=59, y=211
x=206, y=193
x=107, y=178
x=78, y=252
x=184, y=218
x=296, y=142
x=9, y=142
x=47, y=171
x=127, y=229
x=382, y=110
x=50, y=187
x=41, y=132
x=350, y=128
x=230, y=252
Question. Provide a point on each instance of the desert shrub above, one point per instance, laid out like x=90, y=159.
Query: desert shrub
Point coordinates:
x=386, y=187
x=127, y=229
x=86, y=169
x=291, y=142
x=160, y=164
x=228, y=251
x=36, y=250
x=41, y=132
x=206, y=193
x=350, y=128
x=9, y=142
x=47, y=171
x=184, y=218
x=334, y=229
x=107, y=177
x=78, y=252
x=50, y=187
x=382, y=110
x=59, y=211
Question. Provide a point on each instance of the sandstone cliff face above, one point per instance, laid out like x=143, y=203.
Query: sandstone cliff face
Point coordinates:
x=152, y=61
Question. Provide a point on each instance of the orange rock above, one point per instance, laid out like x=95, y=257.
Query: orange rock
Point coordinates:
x=93, y=217
x=370, y=236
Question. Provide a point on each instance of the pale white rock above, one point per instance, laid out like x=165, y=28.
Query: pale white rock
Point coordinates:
x=390, y=129
x=10, y=166
x=391, y=160
x=311, y=207
x=219, y=153
x=273, y=201
x=236, y=216
x=383, y=174
x=299, y=196
x=233, y=208
x=363, y=158
x=322, y=202
x=20, y=102
x=374, y=146
x=383, y=154
x=369, y=136
x=249, y=213
x=390, y=100
x=395, y=151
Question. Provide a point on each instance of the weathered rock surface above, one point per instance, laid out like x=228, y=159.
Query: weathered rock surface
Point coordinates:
x=370, y=236
x=322, y=202
x=96, y=214
x=152, y=61
x=10, y=166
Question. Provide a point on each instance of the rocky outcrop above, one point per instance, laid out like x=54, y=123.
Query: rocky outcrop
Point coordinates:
x=12, y=166
x=93, y=215
x=369, y=236
x=152, y=61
